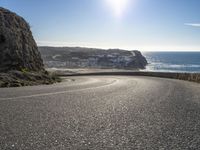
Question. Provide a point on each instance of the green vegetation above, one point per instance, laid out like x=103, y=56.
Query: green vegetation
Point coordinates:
x=24, y=70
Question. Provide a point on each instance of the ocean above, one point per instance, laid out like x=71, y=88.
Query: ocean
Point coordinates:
x=173, y=61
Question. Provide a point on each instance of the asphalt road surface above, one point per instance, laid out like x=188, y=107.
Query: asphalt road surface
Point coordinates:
x=102, y=112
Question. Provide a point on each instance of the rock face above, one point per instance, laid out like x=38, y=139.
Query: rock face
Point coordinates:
x=76, y=57
x=18, y=50
x=20, y=61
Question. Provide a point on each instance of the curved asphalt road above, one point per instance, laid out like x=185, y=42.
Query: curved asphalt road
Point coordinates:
x=102, y=112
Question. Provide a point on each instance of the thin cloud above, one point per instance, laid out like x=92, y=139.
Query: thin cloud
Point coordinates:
x=193, y=24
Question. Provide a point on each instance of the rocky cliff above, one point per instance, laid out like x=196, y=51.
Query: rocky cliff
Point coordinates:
x=76, y=57
x=18, y=49
x=20, y=59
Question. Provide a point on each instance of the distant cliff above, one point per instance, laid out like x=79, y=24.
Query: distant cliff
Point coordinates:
x=76, y=57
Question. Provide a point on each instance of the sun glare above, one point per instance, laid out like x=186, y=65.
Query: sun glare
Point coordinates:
x=118, y=6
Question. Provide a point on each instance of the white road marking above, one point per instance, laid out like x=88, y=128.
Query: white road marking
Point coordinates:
x=55, y=93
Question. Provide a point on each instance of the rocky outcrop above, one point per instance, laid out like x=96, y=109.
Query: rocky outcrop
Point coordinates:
x=18, y=49
x=77, y=57
x=140, y=60
x=20, y=61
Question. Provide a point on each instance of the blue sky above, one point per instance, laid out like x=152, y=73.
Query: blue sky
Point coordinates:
x=138, y=24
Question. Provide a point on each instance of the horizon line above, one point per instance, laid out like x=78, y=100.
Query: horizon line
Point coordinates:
x=89, y=45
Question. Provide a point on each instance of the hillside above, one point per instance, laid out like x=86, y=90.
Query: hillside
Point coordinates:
x=77, y=57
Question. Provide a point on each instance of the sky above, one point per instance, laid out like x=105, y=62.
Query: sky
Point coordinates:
x=146, y=25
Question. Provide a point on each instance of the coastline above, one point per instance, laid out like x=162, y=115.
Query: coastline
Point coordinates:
x=178, y=62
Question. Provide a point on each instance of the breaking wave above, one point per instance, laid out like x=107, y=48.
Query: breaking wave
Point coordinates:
x=173, y=62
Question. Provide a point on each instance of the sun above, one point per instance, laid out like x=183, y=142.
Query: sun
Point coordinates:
x=118, y=6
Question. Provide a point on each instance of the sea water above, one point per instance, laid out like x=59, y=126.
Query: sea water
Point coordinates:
x=173, y=61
